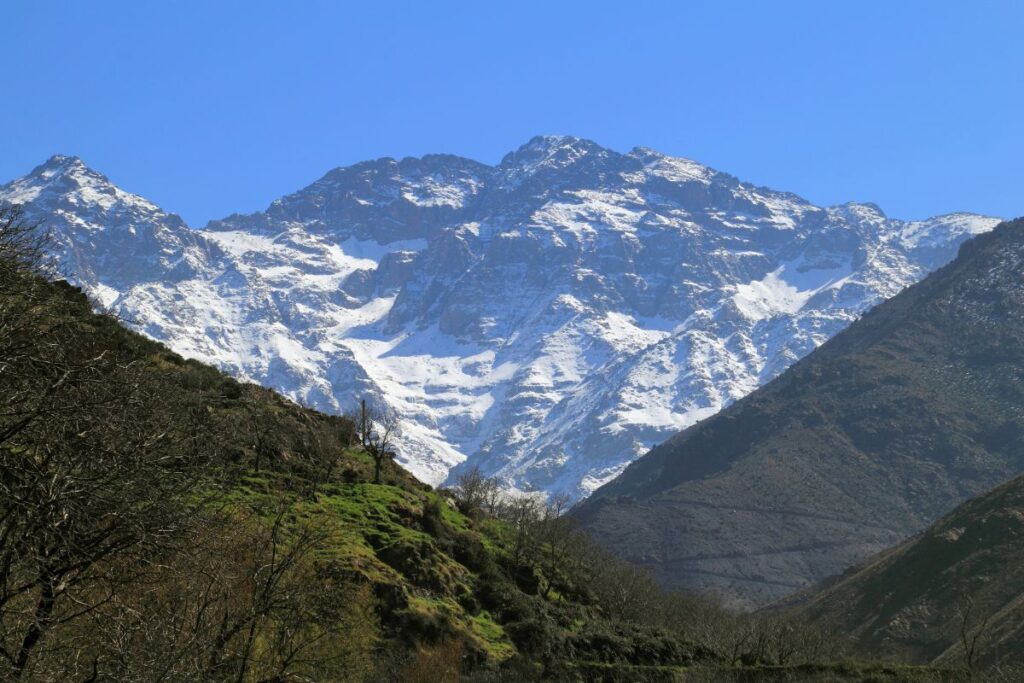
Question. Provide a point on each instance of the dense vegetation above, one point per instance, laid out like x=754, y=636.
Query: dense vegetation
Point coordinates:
x=160, y=521
x=888, y=426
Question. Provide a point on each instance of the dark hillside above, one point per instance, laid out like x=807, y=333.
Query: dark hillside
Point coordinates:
x=962, y=577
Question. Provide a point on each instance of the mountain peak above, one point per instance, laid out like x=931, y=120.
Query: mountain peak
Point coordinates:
x=59, y=165
x=65, y=173
x=553, y=142
x=550, y=151
x=860, y=212
x=65, y=180
x=63, y=160
x=57, y=176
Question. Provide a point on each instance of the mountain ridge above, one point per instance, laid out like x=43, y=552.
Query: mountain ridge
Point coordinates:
x=521, y=315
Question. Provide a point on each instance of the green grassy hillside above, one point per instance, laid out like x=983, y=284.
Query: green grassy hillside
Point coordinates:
x=161, y=521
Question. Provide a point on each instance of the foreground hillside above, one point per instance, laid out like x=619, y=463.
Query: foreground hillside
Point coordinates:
x=885, y=428
x=960, y=582
x=547, y=318
x=160, y=521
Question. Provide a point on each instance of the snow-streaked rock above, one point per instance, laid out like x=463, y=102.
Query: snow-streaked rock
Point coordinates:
x=549, y=318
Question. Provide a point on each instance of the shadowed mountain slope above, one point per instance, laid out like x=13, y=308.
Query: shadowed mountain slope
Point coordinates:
x=882, y=430
x=966, y=572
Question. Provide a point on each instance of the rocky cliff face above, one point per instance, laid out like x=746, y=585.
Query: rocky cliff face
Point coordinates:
x=549, y=318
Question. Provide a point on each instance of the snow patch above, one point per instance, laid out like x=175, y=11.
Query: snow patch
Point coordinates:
x=786, y=290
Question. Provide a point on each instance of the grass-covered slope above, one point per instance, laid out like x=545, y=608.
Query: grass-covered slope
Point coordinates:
x=959, y=582
x=278, y=555
x=911, y=410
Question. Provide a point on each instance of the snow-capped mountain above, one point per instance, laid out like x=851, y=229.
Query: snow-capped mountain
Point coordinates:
x=549, y=318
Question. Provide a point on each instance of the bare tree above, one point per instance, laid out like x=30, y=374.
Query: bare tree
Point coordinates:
x=94, y=453
x=474, y=491
x=112, y=565
x=972, y=632
x=102, y=476
x=377, y=431
x=556, y=536
x=240, y=599
x=22, y=245
x=262, y=432
x=522, y=514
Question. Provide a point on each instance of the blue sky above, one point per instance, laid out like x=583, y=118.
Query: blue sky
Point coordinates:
x=210, y=107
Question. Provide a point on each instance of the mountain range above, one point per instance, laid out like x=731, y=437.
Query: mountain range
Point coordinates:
x=548, y=319
x=181, y=525
x=881, y=431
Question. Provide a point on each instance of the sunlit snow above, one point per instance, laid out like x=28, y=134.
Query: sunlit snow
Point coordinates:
x=547, y=323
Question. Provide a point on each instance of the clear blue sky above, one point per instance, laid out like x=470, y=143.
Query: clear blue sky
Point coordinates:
x=214, y=107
